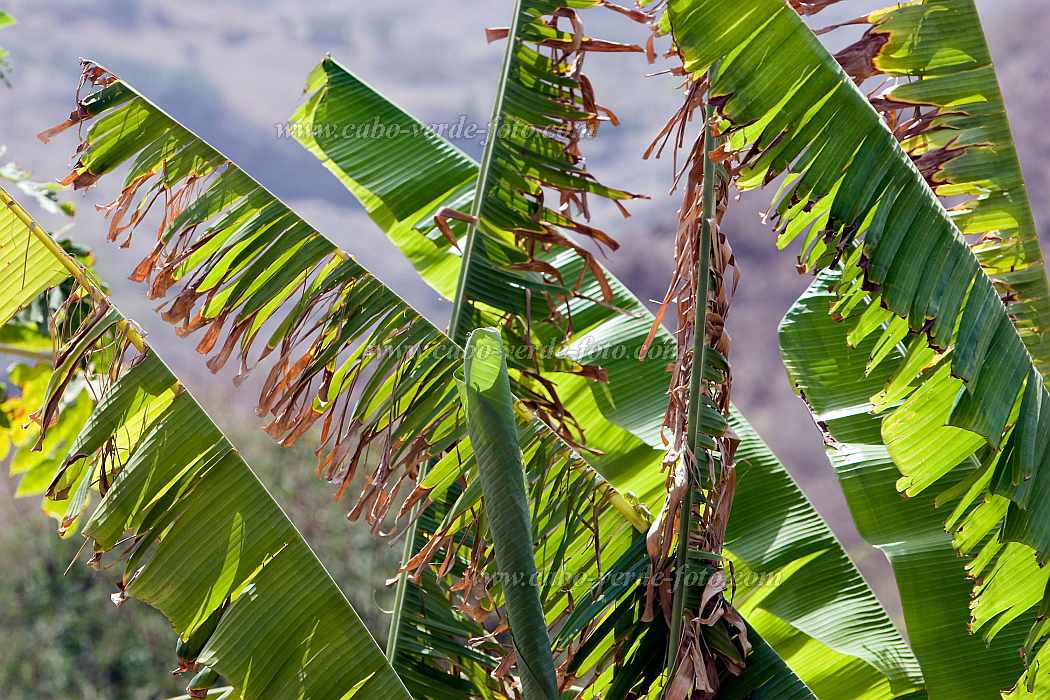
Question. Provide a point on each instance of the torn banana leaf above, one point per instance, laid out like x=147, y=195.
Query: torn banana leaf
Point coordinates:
x=838, y=383
x=819, y=128
x=202, y=539
x=545, y=106
x=345, y=353
x=950, y=117
x=623, y=415
x=951, y=120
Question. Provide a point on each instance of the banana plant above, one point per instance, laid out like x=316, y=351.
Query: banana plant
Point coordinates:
x=585, y=538
x=343, y=354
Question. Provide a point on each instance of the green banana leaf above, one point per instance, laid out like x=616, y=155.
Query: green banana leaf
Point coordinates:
x=205, y=543
x=934, y=582
x=836, y=138
x=962, y=144
x=964, y=147
x=36, y=268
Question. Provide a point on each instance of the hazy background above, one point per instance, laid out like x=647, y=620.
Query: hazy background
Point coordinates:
x=231, y=70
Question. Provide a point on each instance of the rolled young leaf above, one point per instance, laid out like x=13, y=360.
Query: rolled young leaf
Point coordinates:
x=489, y=408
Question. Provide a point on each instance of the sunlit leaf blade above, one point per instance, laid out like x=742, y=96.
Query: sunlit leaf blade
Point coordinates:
x=624, y=415
x=36, y=287
x=951, y=120
x=29, y=267
x=802, y=593
x=935, y=584
x=336, y=123
x=514, y=234
x=205, y=542
x=898, y=215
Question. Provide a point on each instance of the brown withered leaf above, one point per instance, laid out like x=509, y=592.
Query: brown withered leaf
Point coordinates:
x=858, y=59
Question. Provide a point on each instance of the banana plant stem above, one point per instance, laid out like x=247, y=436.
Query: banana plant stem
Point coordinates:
x=698, y=454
